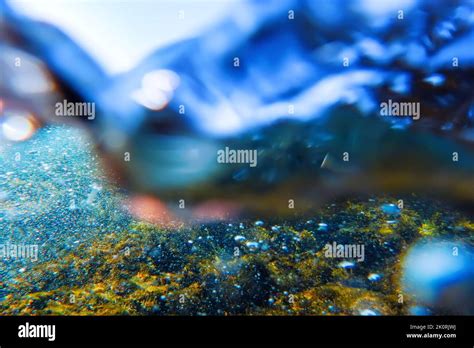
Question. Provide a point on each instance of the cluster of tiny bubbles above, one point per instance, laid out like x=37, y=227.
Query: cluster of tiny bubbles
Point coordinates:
x=54, y=193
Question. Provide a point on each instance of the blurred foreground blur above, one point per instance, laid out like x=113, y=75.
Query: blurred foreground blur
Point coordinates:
x=301, y=83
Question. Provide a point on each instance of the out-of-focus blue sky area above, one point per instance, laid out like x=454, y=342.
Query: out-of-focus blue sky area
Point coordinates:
x=118, y=33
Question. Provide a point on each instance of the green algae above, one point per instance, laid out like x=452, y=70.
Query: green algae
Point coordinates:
x=202, y=270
